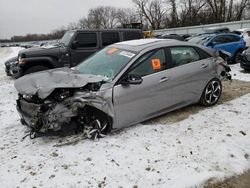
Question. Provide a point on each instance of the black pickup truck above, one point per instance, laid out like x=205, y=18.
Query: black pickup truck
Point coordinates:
x=73, y=48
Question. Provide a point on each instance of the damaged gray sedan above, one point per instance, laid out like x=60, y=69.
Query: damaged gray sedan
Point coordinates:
x=121, y=85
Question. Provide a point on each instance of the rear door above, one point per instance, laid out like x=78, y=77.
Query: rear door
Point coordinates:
x=135, y=103
x=192, y=68
x=86, y=43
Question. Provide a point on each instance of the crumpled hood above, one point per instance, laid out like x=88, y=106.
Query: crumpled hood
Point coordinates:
x=45, y=82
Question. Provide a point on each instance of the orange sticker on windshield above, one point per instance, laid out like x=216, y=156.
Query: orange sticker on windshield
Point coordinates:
x=156, y=64
x=111, y=51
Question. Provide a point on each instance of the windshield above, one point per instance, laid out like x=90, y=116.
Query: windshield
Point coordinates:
x=67, y=37
x=108, y=62
x=201, y=39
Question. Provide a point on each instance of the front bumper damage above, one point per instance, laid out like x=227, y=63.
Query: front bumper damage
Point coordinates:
x=67, y=117
x=62, y=102
x=48, y=118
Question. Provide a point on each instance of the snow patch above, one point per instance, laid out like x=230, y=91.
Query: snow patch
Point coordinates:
x=213, y=143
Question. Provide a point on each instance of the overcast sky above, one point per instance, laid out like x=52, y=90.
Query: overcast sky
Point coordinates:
x=19, y=17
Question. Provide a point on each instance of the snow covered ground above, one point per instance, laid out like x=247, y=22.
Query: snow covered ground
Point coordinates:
x=213, y=143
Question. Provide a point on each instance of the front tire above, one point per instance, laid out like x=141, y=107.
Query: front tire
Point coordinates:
x=211, y=93
x=98, y=129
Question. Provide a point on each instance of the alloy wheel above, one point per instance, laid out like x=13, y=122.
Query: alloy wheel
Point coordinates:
x=97, y=129
x=212, y=92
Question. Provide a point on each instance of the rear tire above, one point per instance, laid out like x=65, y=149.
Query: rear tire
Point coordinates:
x=35, y=69
x=236, y=57
x=211, y=93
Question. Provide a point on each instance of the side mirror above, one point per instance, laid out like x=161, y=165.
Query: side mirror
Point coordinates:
x=74, y=44
x=132, y=79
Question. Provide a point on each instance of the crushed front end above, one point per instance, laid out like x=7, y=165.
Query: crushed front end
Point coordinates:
x=45, y=116
x=64, y=111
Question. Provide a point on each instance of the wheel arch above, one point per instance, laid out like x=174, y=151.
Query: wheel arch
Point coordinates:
x=48, y=62
x=91, y=110
x=202, y=94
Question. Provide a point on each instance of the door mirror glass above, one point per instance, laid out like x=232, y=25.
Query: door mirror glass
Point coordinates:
x=132, y=79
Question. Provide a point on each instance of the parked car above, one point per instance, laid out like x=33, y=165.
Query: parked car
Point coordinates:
x=229, y=42
x=171, y=36
x=119, y=86
x=245, y=33
x=74, y=47
x=244, y=59
x=11, y=67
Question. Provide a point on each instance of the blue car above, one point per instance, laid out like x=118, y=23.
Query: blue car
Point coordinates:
x=229, y=42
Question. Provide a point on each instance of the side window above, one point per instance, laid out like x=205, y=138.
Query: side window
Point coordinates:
x=129, y=35
x=202, y=53
x=86, y=40
x=183, y=55
x=226, y=39
x=110, y=38
x=220, y=39
x=233, y=38
x=149, y=63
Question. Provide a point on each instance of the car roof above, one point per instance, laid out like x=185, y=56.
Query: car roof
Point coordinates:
x=102, y=30
x=140, y=44
x=216, y=34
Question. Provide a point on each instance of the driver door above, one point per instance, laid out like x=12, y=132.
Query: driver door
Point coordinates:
x=134, y=103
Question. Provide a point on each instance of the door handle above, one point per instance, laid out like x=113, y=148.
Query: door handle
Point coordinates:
x=204, y=66
x=163, y=79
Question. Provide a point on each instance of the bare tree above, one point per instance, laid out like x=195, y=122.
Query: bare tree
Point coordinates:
x=239, y=8
x=72, y=26
x=191, y=11
x=152, y=10
x=103, y=17
x=173, y=15
x=126, y=16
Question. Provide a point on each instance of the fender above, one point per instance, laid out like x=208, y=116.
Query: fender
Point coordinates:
x=46, y=61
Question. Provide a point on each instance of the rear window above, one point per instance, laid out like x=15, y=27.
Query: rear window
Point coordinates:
x=110, y=38
x=131, y=35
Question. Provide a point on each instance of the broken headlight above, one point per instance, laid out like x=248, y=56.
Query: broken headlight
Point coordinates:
x=61, y=94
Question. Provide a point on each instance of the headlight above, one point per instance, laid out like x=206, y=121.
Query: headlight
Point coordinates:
x=27, y=96
x=21, y=60
x=13, y=63
x=65, y=93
